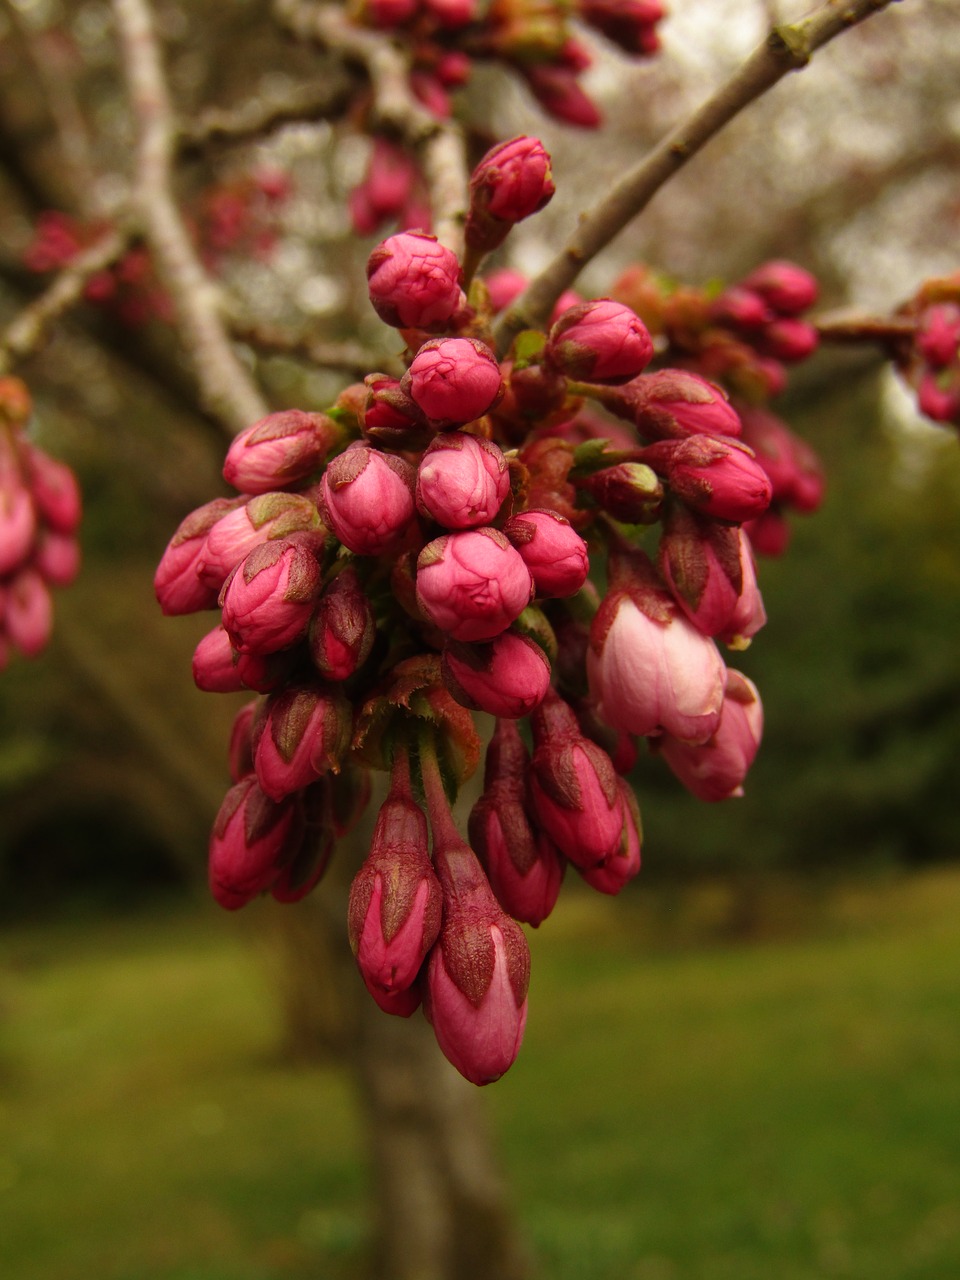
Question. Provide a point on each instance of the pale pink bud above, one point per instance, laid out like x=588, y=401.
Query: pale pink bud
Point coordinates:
x=56, y=492
x=507, y=677
x=177, y=584
x=462, y=480
x=552, y=550
x=302, y=736
x=573, y=786
x=18, y=524
x=343, y=628
x=472, y=585
x=784, y=286
x=719, y=478
x=280, y=450
x=215, y=664
x=504, y=286
x=478, y=973
x=57, y=557
x=414, y=281
x=393, y=918
x=674, y=403
x=511, y=182
x=454, y=380
x=263, y=518
x=619, y=867
x=716, y=769
x=268, y=600
x=938, y=334
x=252, y=837
x=601, y=341
x=649, y=676
x=367, y=499
x=28, y=617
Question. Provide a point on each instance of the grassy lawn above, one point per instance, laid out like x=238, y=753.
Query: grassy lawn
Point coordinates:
x=785, y=1109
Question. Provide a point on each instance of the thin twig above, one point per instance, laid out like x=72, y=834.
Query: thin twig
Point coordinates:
x=225, y=386
x=255, y=118
x=787, y=48
x=350, y=357
x=888, y=332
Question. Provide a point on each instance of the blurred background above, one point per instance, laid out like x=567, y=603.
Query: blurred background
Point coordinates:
x=746, y=1066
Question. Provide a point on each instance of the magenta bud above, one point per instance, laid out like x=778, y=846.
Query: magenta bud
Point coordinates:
x=57, y=557
x=313, y=850
x=719, y=478
x=601, y=341
x=367, y=500
x=303, y=735
x=504, y=286
x=343, y=629
x=390, y=417
x=939, y=403
x=462, y=480
x=938, y=334
x=56, y=492
x=789, y=340
x=507, y=677
x=478, y=974
x=177, y=584
x=741, y=308
x=414, y=281
x=673, y=403
x=628, y=491
x=280, y=450
x=215, y=664
x=557, y=91
x=716, y=769
x=649, y=675
x=511, y=182
x=251, y=840
x=386, y=188
x=393, y=918
x=265, y=672
x=552, y=550
x=630, y=24
x=18, y=524
x=619, y=867
x=28, y=616
x=268, y=600
x=472, y=585
x=451, y=14
x=261, y=519
x=454, y=380
x=769, y=534
x=794, y=470
x=240, y=750
x=784, y=286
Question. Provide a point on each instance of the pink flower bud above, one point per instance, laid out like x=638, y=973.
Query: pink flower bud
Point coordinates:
x=649, y=675
x=478, y=974
x=462, y=480
x=552, y=550
x=268, y=600
x=28, y=616
x=619, y=867
x=710, y=572
x=674, y=403
x=504, y=286
x=510, y=183
x=240, y=750
x=715, y=770
x=252, y=838
x=557, y=91
x=628, y=23
x=784, y=286
x=57, y=557
x=265, y=672
x=395, y=901
x=938, y=334
x=215, y=664
x=601, y=341
x=524, y=867
x=769, y=534
x=280, y=450
x=390, y=417
x=454, y=380
x=573, y=786
x=507, y=677
x=263, y=518
x=451, y=14
x=18, y=524
x=939, y=403
x=629, y=491
x=720, y=478
x=56, y=492
x=794, y=471
x=741, y=308
x=387, y=186
x=176, y=583
x=414, y=281
x=303, y=735
x=472, y=585
x=311, y=854
x=343, y=628
x=367, y=500
x=789, y=340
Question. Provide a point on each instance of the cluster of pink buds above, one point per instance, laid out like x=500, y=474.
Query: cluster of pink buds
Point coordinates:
x=239, y=216
x=40, y=511
x=930, y=362
x=422, y=550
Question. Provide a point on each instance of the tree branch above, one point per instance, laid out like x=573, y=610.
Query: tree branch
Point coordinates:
x=787, y=48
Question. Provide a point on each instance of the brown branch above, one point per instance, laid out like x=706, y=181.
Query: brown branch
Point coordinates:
x=351, y=357
x=438, y=143
x=225, y=386
x=787, y=48
x=892, y=334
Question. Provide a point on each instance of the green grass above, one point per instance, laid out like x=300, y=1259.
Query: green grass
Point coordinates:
x=788, y=1109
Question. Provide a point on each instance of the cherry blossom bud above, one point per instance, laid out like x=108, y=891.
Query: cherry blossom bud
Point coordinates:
x=790, y=340
x=390, y=417
x=504, y=286
x=720, y=478
x=215, y=664
x=938, y=334
x=507, y=677
x=741, y=308
x=280, y=450
x=524, y=867
x=619, y=867
x=386, y=187
x=716, y=769
x=653, y=674
x=311, y=854
x=28, y=616
x=252, y=838
x=268, y=600
x=414, y=281
x=769, y=534
x=451, y=14
x=601, y=341
x=510, y=183
x=628, y=23
x=557, y=91
x=57, y=557
x=176, y=583
x=367, y=499
x=629, y=491
x=573, y=786
x=454, y=380
x=710, y=572
x=784, y=286
x=343, y=628
x=18, y=523
x=240, y=749
x=478, y=973
x=265, y=672
x=472, y=585
x=263, y=518
x=393, y=918
x=552, y=550
x=303, y=735
x=793, y=468
x=462, y=480
x=56, y=492
x=940, y=403
x=674, y=403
